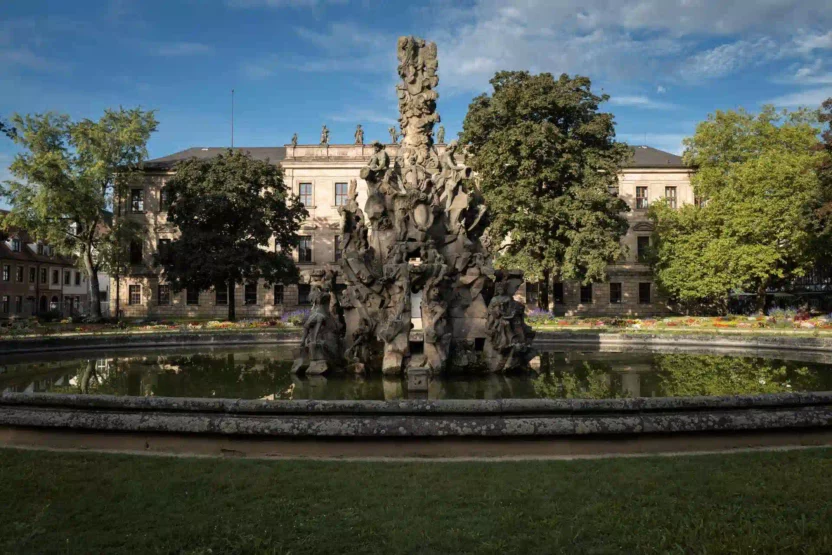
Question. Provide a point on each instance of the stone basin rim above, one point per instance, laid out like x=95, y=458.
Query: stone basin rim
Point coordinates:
x=363, y=408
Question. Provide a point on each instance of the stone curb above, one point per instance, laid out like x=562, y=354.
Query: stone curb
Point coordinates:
x=398, y=419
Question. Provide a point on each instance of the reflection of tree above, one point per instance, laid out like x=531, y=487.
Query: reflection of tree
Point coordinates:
x=581, y=380
x=681, y=375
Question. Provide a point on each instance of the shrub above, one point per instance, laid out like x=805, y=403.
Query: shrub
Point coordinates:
x=53, y=315
x=540, y=316
x=295, y=317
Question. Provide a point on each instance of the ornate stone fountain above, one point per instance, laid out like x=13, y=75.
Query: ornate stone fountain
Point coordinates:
x=417, y=292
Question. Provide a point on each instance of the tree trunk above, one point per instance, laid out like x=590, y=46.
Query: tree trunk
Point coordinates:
x=94, y=289
x=118, y=297
x=543, y=290
x=761, y=297
x=232, y=302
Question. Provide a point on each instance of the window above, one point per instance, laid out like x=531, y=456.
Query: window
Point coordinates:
x=164, y=294
x=18, y=277
x=615, y=293
x=4, y=305
x=251, y=294
x=135, y=252
x=305, y=194
x=40, y=248
x=164, y=201
x=221, y=295
x=163, y=248
x=48, y=250
x=76, y=304
x=699, y=202
x=340, y=194
x=33, y=275
x=77, y=278
x=641, y=198
x=644, y=293
x=137, y=201
x=305, y=249
x=643, y=247
x=43, y=276
x=67, y=277
x=103, y=295
x=135, y=294
x=18, y=304
x=670, y=195
x=16, y=245
x=558, y=294
x=278, y=294
x=7, y=272
x=586, y=294
x=56, y=277
x=336, y=246
x=192, y=296
x=303, y=293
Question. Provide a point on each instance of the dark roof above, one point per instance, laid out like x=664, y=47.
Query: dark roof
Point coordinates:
x=26, y=253
x=649, y=157
x=270, y=153
x=643, y=157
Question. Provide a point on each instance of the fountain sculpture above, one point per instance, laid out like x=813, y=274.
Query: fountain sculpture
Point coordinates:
x=417, y=289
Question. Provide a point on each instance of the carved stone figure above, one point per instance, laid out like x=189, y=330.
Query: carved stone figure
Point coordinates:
x=295, y=139
x=418, y=244
x=440, y=136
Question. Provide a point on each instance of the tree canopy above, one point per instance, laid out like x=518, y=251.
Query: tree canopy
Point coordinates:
x=68, y=176
x=236, y=222
x=759, y=195
x=7, y=130
x=547, y=159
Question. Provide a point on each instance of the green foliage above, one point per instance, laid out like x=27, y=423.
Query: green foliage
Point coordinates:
x=227, y=210
x=7, y=129
x=67, y=177
x=757, y=176
x=546, y=158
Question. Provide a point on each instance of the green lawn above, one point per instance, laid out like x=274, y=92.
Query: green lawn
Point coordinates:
x=92, y=503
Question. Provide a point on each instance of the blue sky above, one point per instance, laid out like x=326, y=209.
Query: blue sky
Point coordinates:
x=296, y=64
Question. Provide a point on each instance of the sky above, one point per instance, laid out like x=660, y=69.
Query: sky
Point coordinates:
x=297, y=64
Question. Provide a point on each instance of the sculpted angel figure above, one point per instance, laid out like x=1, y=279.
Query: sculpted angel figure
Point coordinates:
x=324, y=135
x=359, y=135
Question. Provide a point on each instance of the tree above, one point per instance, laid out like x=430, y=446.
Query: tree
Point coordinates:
x=547, y=159
x=760, y=195
x=69, y=173
x=226, y=210
x=7, y=130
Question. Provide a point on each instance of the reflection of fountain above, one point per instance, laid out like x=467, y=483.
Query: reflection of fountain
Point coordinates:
x=413, y=260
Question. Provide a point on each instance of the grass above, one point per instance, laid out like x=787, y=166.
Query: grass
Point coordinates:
x=94, y=503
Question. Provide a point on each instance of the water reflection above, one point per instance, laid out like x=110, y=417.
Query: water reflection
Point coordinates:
x=264, y=374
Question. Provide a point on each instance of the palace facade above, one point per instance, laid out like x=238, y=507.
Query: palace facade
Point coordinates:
x=320, y=176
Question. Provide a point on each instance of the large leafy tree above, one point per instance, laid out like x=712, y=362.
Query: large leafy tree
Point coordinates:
x=227, y=209
x=69, y=174
x=756, y=176
x=547, y=159
x=7, y=129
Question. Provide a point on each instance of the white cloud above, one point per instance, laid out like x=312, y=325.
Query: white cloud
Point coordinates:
x=661, y=90
x=809, y=42
x=24, y=58
x=180, y=49
x=811, y=98
x=729, y=58
x=641, y=102
x=633, y=39
x=281, y=3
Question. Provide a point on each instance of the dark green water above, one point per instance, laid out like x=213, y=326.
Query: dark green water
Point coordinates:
x=263, y=373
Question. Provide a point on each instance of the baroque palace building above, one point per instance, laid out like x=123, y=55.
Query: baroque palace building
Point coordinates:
x=320, y=176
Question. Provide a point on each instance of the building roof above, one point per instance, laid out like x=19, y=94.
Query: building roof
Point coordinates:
x=643, y=157
x=649, y=157
x=270, y=153
x=26, y=254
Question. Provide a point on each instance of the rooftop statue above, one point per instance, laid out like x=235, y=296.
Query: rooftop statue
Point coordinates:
x=359, y=135
x=324, y=135
x=417, y=245
x=295, y=139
